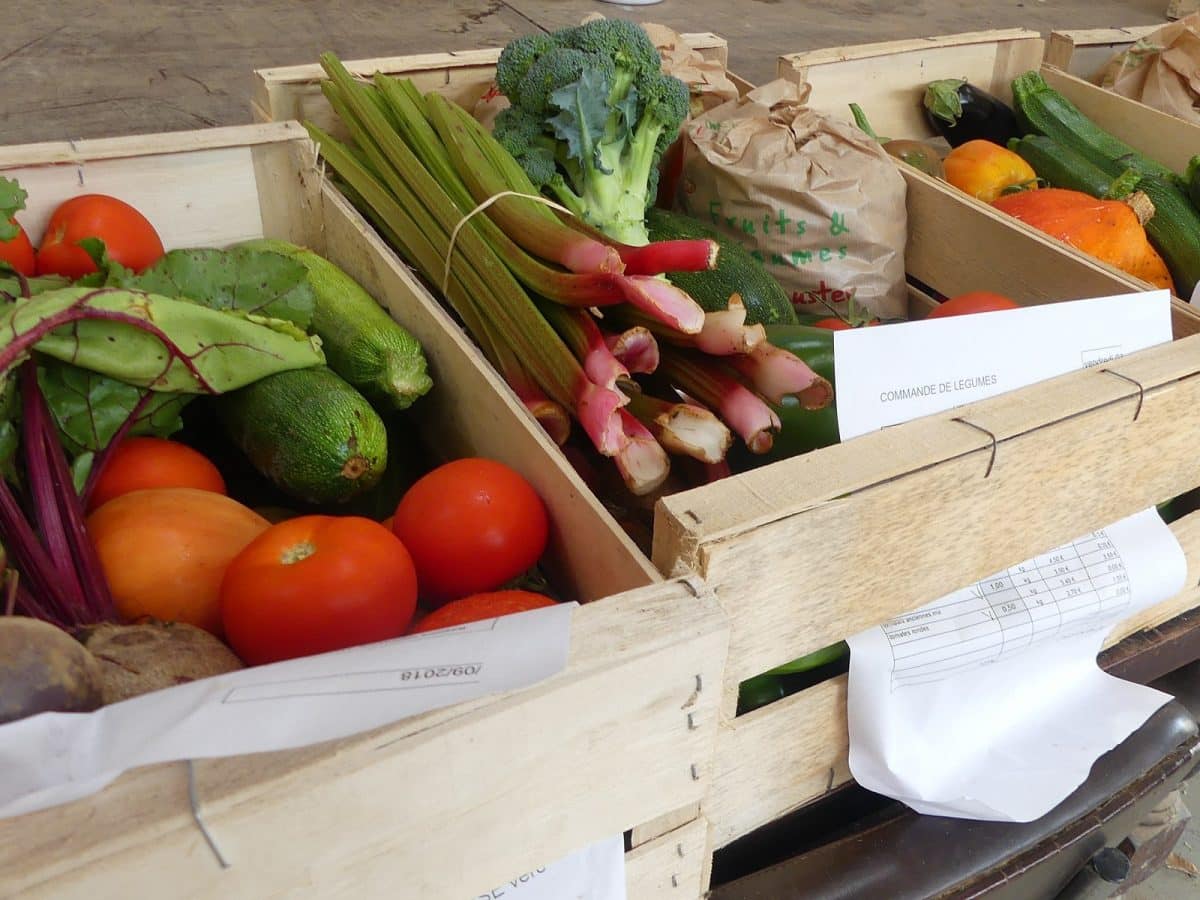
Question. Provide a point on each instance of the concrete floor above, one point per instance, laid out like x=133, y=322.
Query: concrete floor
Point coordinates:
x=78, y=69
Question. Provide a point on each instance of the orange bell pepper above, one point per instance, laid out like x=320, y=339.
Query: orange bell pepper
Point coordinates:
x=987, y=170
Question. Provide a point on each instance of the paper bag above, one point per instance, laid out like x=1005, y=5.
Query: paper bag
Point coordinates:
x=813, y=198
x=1161, y=70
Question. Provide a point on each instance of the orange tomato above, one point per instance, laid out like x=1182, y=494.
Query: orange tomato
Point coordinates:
x=972, y=302
x=142, y=463
x=128, y=235
x=478, y=607
x=18, y=252
x=165, y=551
x=315, y=584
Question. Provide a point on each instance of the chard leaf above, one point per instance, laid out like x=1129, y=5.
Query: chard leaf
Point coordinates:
x=9, y=430
x=10, y=286
x=582, y=114
x=258, y=282
x=12, y=201
x=89, y=408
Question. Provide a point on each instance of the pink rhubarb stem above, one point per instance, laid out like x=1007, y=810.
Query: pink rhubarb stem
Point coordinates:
x=582, y=335
x=663, y=302
x=685, y=429
x=670, y=256
x=776, y=373
x=742, y=410
x=597, y=409
x=642, y=462
x=636, y=349
x=726, y=333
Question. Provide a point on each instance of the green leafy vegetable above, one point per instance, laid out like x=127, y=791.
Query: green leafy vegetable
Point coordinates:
x=242, y=279
x=12, y=201
x=89, y=409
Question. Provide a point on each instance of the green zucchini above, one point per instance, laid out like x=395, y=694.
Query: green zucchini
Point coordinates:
x=1174, y=230
x=362, y=343
x=1042, y=110
x=308, y=431
x=737, y=272
x=1062, y=167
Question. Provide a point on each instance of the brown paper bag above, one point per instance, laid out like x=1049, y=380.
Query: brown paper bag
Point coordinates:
x=815, y=199
x=1161, y=70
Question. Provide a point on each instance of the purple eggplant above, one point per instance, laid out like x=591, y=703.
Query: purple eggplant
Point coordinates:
x=961, y=112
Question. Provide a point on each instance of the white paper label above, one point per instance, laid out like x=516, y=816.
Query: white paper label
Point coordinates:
x=54, y=758
x=988, y=703
x=597, y=872
x=898, y=372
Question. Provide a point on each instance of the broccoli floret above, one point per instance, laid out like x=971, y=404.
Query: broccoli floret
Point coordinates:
x=515, y=60
x=591, y=115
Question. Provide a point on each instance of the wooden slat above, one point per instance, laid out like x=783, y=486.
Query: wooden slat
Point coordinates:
x=1161, y=136
x=808, y=550
x=1085, y=51
x=787, y=754
x=888, y=79
x=671, y=867
x=293, y=92
x=393, y=812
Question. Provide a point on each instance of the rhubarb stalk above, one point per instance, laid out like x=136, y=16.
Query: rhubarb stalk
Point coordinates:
x=776, y=373
x=636, y=348
x=704, y=379
x=722, y=333
x=685, y=429
x=642, y=462
x=580, y=332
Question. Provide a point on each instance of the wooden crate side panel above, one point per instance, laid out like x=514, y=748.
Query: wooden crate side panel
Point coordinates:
x=480, y=775
x=888, y=80
x=800, y=564
x=783, y=756
x=671, y=867
x=193, y=198
x=592, y=551
x=1163, y=137
x=293, y=92
x=1086, y=51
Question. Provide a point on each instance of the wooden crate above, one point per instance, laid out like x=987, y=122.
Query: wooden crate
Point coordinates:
x=812, y=549
x=888, y=80
x=1084, y=52
x=510, y=782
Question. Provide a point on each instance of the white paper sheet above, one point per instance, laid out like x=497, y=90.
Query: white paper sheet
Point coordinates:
x=597, y=872
x=988, y=703
x=899, y=372
x=53, y=758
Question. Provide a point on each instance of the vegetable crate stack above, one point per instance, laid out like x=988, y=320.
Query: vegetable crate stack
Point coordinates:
x=810, y=547
x=443, y=804
x=1073, y=137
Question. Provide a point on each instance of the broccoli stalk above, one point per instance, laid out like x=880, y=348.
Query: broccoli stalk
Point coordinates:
x=591, y=115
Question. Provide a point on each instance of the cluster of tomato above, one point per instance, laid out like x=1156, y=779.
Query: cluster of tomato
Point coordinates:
x=128, y=236
x=174, y=547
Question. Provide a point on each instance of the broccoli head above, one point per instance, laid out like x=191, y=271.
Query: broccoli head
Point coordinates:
x=592, y=113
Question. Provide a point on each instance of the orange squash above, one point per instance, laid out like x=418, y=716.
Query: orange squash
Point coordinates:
x=1109, y=230
x=164, y=551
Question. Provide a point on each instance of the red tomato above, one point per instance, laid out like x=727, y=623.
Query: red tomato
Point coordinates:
x=470, y=525
x=833, y=323
x=480, y=606
x=130, y=238
x=18, y=252
x=316, y=584
x=141, y=463
x=972, y=302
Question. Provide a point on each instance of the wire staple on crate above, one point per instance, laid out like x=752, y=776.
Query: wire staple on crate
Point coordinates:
x=1141, y=390
x=992, y=458
x=194, y=803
